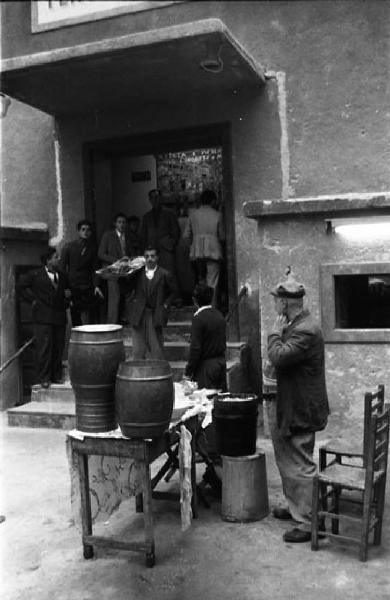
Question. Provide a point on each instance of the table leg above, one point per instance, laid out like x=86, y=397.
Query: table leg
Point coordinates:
x=148, y=513
x=86, y=517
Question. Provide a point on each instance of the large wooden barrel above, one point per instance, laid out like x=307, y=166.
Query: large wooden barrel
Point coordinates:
x=95, y=352
x=244, y=488
x=235, y=418
x=144, y=397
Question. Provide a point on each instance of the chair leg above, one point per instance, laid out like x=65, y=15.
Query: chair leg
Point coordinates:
x=336, y=509
x=314, y=514
x=379, y=511
x=365, y=526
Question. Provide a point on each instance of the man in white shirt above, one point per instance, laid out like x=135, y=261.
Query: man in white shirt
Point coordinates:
x=46, y=289
x=152, y=290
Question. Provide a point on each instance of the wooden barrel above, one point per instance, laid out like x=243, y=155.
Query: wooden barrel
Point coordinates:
x=235, y=417
x=95, y=352
x=244, y=488
x=144, y=397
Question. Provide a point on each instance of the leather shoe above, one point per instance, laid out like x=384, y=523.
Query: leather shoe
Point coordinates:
x=281, y=513
x=297, y=536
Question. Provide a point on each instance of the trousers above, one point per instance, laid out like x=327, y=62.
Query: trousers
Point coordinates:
x=148, y=340
x=49, y=347
x=294, y=458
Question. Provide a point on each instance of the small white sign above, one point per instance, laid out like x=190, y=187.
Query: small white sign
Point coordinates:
x=50, y=14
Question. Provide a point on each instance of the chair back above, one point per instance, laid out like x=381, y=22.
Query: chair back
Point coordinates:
x=373, y=404
x=378, y=445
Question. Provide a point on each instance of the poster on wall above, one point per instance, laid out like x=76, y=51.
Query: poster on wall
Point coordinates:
x=186, y=174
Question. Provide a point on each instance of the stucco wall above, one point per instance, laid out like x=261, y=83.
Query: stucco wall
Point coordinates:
x=335, y=58
x=351, y=369
x=28, y=179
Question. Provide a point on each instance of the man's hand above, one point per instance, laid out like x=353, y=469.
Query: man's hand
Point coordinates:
x=67, y=294
x=98, y=292
x=279, y=325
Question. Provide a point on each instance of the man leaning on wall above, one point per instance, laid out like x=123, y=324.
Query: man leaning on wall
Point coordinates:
x=296, y=351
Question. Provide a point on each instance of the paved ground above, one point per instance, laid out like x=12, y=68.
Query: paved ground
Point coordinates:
x=42, y=556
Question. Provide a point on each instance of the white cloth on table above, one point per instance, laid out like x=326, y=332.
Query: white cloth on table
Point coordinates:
x=114, y=479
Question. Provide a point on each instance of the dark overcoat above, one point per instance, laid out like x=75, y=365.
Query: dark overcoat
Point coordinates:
x=298, y=356
x=48, y=303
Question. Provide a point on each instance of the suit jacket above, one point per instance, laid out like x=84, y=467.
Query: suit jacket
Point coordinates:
x=208, y=339
x=162, y=290
x=79, y=261
x=205, y=231
x=110, y=247
x=299, y=360
x=160, y=229
x=48, y=303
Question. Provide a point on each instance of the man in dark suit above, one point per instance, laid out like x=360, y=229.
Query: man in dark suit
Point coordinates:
x=160, y=229
x=207, y=362
x=296, y=351
x=46, y=289
x=113, y=246
x=152, y=289
x=79, y=262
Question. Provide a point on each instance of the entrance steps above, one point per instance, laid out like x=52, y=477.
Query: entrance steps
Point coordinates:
x=54, y=407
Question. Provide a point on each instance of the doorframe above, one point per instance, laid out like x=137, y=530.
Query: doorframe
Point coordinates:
x=174, y=140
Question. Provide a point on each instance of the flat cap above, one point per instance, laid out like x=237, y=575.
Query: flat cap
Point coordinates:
x=289, y=289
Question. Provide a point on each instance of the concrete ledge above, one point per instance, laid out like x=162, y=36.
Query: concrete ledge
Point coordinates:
x=24, y=233
x=340, y=205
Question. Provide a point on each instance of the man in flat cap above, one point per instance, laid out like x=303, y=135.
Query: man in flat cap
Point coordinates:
x=296, y=351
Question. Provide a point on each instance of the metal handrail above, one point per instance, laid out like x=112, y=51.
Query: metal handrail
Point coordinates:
x=18, y=353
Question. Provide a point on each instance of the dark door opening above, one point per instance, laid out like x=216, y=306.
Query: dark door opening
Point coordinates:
x=181, y=163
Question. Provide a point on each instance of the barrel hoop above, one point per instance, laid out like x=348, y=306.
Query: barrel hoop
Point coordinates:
x=106, y=406
x=142, y=425
x=93, y=386
x=157, y=378
x=233, y=417
x=106, y=343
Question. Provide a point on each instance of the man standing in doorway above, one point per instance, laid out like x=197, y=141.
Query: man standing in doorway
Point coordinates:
x=160, y=229
x=296, y=350
x=113, y=246
x=153, y=290
x=205, y=232
x=46, y=289
x=79, y=262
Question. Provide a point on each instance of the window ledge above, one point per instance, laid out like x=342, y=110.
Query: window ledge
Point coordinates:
x=376, y=203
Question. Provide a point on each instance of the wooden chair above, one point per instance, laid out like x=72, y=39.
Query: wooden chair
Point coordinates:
x=370, y=480
x=373, y=404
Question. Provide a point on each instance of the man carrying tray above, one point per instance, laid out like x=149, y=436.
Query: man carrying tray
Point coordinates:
x=150, y=291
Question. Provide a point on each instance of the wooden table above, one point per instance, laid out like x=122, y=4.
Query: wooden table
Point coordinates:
x=143, y=452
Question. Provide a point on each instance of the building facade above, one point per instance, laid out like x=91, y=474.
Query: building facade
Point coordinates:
x=295, y=97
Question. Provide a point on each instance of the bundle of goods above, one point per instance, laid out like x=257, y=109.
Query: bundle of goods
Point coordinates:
x=122, y=267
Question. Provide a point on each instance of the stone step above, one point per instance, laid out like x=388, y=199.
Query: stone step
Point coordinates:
x=178, y=367
x=181, y=314
x=55, y=393
x=179, y=350
x=52, y=415
x=174, y=331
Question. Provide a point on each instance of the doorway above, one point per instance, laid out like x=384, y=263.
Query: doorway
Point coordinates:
x=120, y=172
